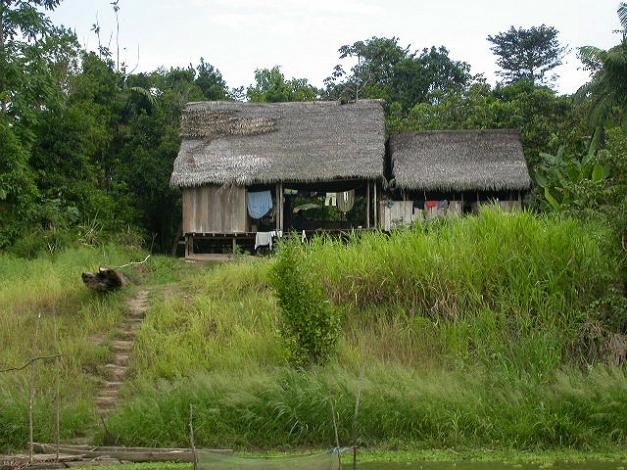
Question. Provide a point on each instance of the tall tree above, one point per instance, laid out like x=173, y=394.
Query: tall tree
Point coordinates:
x=30, y=48
x=528, y=53
x=271, y=86
x=372, y=75
x=34, y=59
x=416, y=78
x=210, y=81
x=389, y=71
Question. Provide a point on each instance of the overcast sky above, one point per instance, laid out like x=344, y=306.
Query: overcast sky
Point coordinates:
x=302, y=36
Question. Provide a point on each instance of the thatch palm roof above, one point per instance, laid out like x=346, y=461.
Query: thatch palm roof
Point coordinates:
x=247, y=143
x=465, y=160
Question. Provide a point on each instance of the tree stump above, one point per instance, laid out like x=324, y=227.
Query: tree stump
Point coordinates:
x=104, y=280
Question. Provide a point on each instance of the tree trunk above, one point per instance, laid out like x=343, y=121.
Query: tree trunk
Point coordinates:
x=3, y=103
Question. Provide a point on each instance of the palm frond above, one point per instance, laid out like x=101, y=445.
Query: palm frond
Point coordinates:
x=152, y=99
x=622, y=14
x=592, y=57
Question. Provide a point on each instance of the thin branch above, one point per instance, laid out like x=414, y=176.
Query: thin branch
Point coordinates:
x=34, y=359
x=132, y=263
x=136, y=65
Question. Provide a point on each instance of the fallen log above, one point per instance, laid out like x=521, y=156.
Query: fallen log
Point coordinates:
x=105, y=279
x=131, y=454
x=94, y=463
x=39, y=461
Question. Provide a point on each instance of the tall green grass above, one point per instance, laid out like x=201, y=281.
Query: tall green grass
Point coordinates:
x=475, y=332
x=481, y=282
x=74, y=321
x=401, y=408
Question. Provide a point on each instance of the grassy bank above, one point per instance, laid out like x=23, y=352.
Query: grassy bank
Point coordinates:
x=46, y=295
x=499, y=332
x=483, y=332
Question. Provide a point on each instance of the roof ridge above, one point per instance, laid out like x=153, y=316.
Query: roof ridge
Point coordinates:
x=461, y=131
x=285, y=103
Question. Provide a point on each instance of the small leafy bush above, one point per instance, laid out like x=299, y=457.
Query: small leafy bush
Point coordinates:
x=50, y=241
x=309, y=326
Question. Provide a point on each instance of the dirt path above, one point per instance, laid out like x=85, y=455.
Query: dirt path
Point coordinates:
x=122, y=346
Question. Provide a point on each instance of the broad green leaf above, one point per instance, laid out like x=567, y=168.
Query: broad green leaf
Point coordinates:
x=551, y=200
x=561, y=178
x=599, y=173
x=547, y=157
x=541, y=180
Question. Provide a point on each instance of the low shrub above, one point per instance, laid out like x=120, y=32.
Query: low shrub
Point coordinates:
x=309, y=326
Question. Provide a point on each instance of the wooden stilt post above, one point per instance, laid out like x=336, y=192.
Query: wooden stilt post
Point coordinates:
x=281, y=218
x=278, y=206
x=376, y=207
x=186, y=246
x=368, y=204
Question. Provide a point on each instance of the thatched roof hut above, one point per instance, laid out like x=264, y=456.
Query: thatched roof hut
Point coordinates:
x=464, y=160
x=252, y=143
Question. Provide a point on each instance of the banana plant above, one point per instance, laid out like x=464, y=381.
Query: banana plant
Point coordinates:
x=568, y=181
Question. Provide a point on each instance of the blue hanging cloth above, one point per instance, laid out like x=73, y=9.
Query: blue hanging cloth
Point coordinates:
x=259, y=204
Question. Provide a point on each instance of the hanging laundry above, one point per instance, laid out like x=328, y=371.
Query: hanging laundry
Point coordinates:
x=266, y=238
x=263, y=239
x=290, y=192
x=431, y=204
x=330, y=199
x=346, y=200
x=259, y=204
x=443, y=204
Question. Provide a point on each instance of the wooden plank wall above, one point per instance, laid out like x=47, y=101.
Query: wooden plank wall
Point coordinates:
x=214, y=209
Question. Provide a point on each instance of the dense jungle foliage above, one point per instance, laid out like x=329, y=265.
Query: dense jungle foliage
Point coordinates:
x=87, y=146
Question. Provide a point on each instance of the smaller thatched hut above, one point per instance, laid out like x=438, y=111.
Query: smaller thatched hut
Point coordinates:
x=250, y=168
x=454, y=171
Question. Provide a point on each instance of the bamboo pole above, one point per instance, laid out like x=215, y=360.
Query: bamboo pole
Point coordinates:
x=191, y=436
x=337, y=437
x=57, y=414
x=362, y=374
